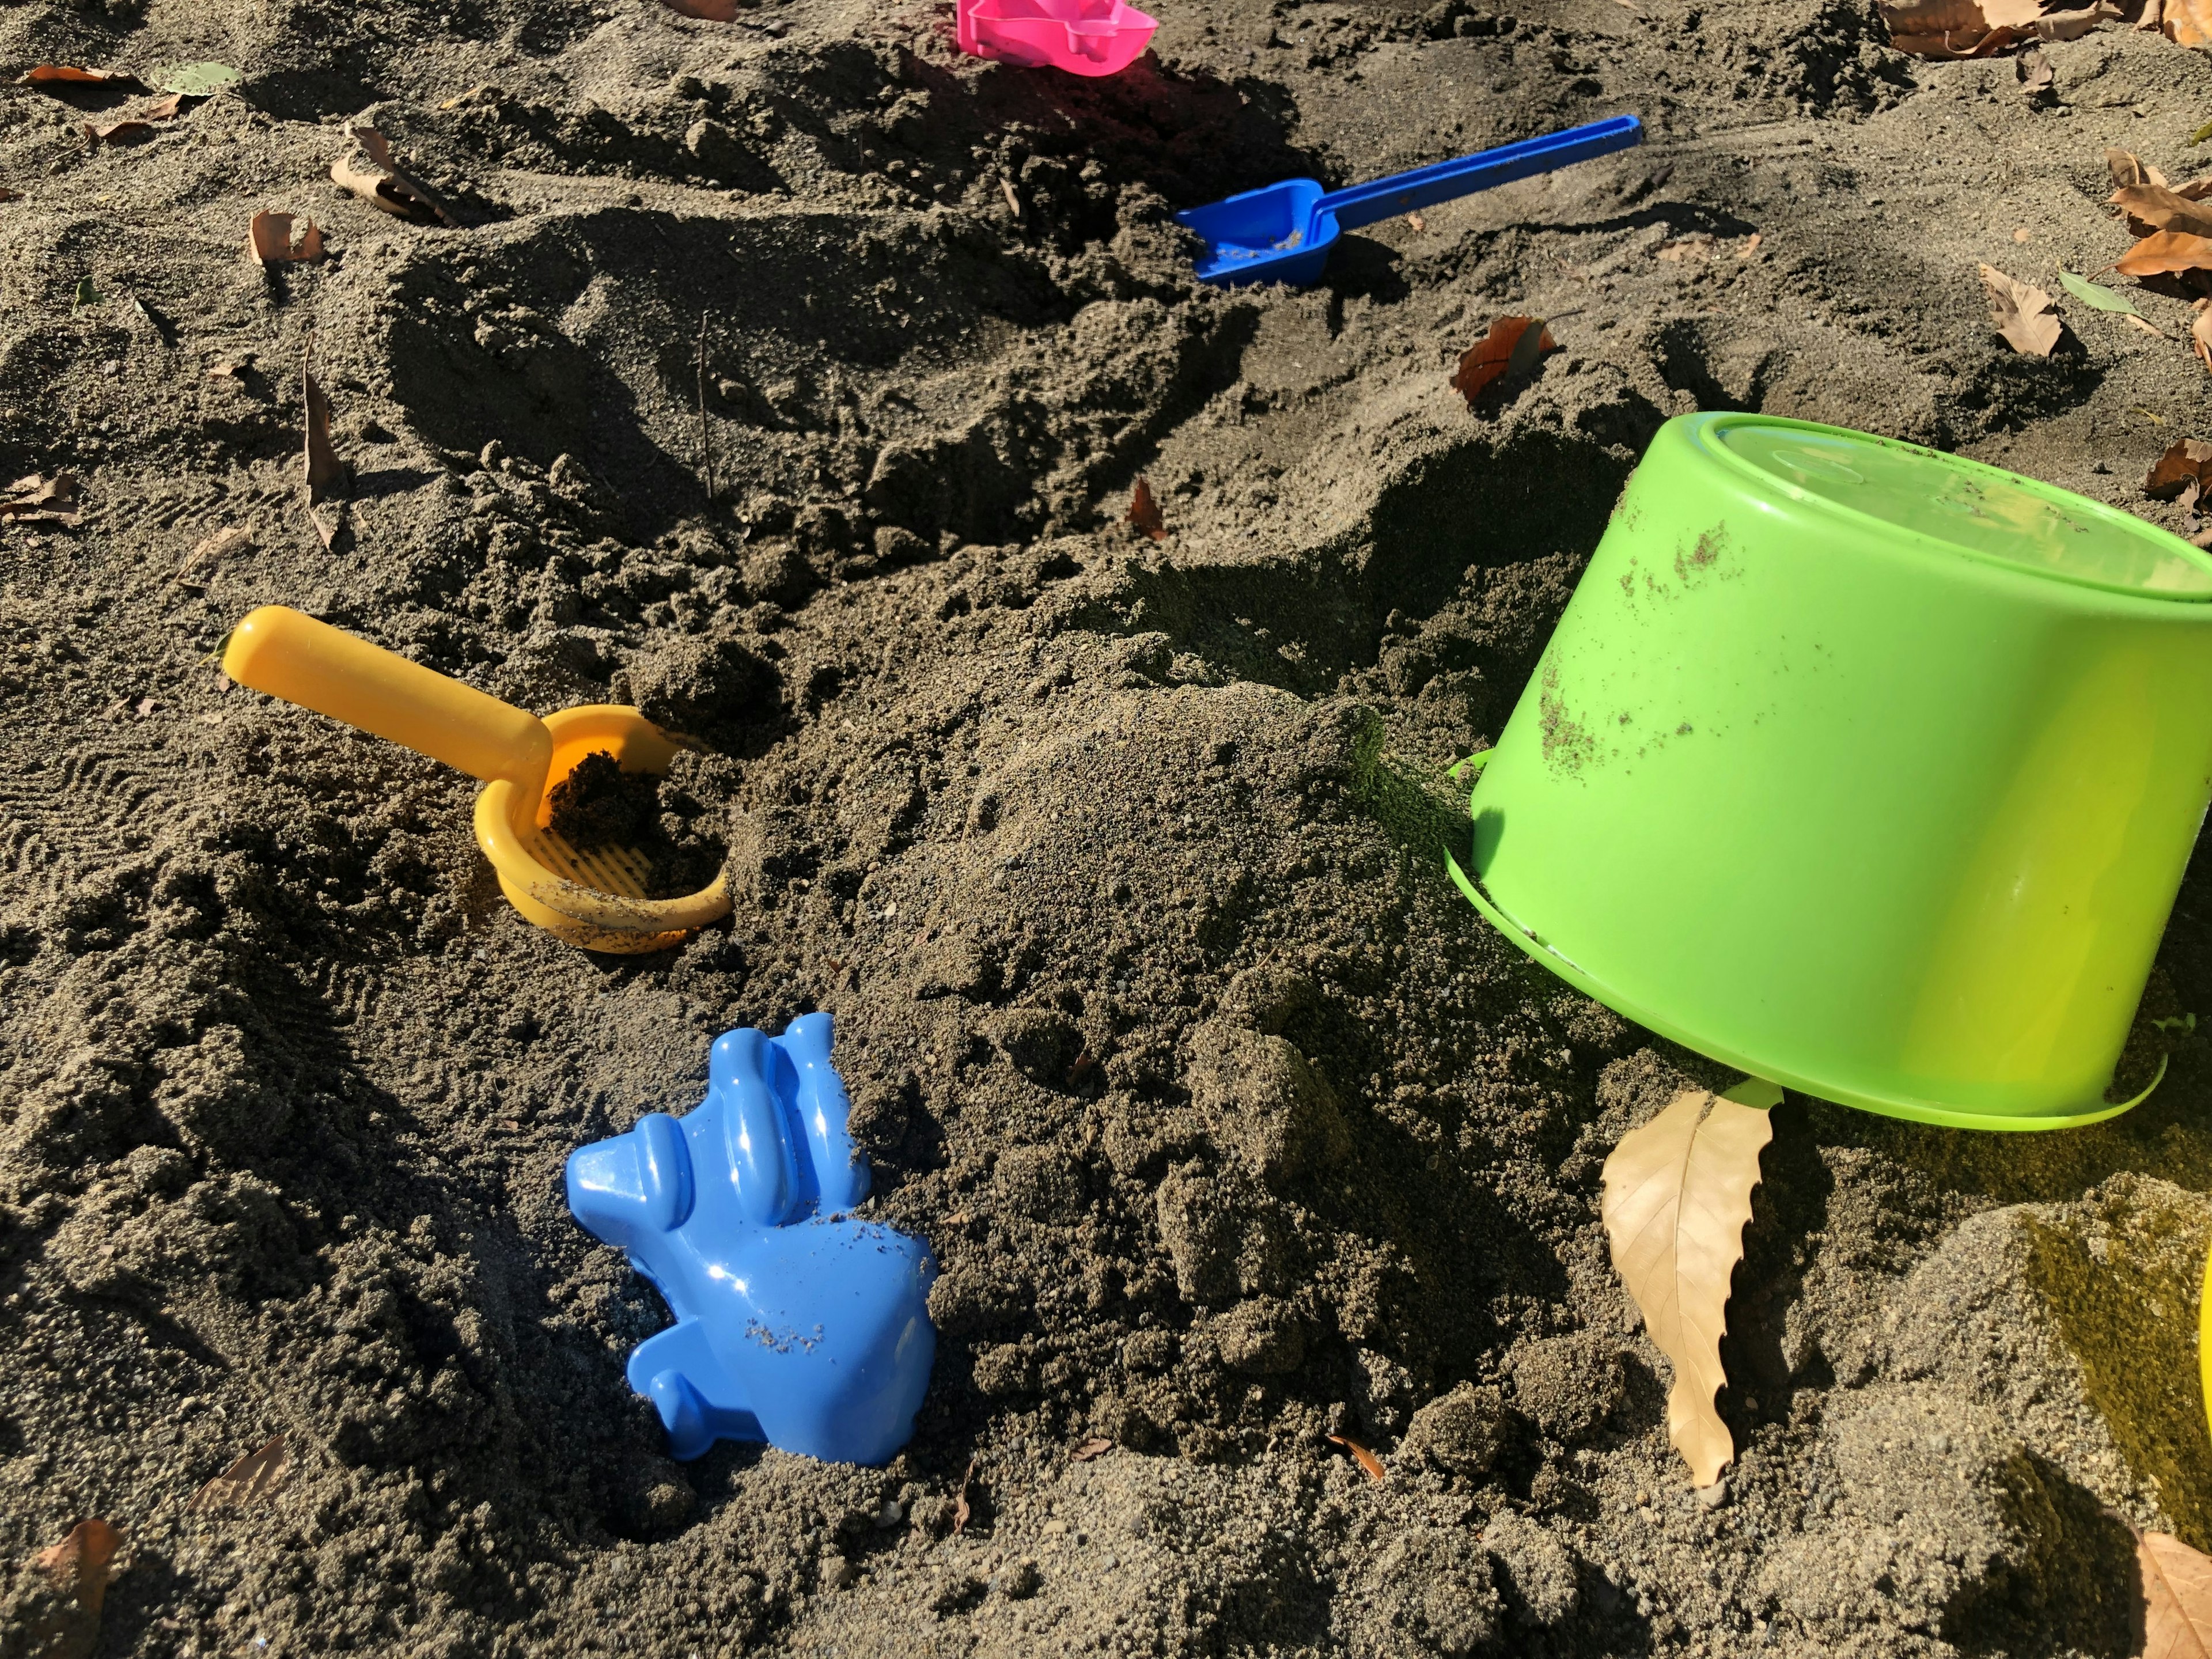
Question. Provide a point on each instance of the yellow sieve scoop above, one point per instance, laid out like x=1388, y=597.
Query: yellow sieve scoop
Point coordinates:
x=596, y=899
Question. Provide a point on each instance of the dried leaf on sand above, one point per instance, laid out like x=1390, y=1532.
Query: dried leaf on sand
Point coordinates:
x=2129, y=169
x=1677, y=1196
x=78, y=1570
x=714, y=11
x=269, y=238
x=2022, y=314
x=1976, y=28
x=323, y=466
x=256, y=1477
x=2187, y=461
x=129, y=130
x=2200, y=334
x=1094, y=1447
x=1366, y=1459
x=2154, y=207
x=62, y=76
x=40, y=500
x=386, y=184
x=2167, y=251
x=1145, y=512
x=962, y=1510
x=2187, y=22
x=2177, y=1592
x=1509, y=352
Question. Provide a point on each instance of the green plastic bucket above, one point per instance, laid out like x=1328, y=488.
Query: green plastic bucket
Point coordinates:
x=1868, y=770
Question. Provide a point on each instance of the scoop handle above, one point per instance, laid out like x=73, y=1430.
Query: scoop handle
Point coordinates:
x=278, y=650
x=1401, y=192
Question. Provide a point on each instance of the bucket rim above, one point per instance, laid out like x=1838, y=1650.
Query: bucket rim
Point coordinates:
x=1704, y=430
x=1911, y=1107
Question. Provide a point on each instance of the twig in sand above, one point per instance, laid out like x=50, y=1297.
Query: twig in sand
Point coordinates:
x=1013, y=202
x=706, y=432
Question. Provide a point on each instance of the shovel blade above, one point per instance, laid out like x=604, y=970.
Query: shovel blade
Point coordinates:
x=1267, y=236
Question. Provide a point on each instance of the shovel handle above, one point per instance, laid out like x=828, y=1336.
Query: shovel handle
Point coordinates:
x=281, y=652
x=1385, y=198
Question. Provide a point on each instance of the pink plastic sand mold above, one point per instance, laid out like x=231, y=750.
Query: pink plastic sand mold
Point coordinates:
x=1084, y=37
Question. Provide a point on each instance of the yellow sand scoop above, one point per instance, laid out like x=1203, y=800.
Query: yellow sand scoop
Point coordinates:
x=596, y=899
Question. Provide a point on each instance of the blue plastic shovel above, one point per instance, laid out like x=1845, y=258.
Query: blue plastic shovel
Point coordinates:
x=1283, y=233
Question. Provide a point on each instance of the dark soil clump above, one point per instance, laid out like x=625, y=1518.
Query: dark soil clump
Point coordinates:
x=662, y=820
x=599, y=804
x=1119, y=862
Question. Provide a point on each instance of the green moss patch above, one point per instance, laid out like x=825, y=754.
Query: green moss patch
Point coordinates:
x=2120, y=1274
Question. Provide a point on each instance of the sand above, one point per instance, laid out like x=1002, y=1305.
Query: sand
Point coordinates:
x=789, y=378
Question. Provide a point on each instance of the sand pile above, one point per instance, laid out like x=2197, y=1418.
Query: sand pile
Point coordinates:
x=789, y=379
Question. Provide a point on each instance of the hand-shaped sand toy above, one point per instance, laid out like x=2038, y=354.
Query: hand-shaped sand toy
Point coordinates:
x=795, y=1324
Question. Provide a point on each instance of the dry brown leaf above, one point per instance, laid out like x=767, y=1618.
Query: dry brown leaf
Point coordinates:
x=63, y=75
x=1145, y=512
x=1976, y=28
x=129, y=130
x=1417, y=221
x=2128, y=168
x=386, y=184
x=166, y=109
x=2187, y=22
x=2147, y=19
x=960, y=1509
x=2022, y=314
x=1751, y=247
x=1091, y=1448
x=1677, y=1196
x=2177, y=1592
x=2073, y=25
x=2167, y=251
x=79, y=1568
x=1508, y=352
x=269, y=239
x=2200, y=335
x=322, y=465
x=326, y=533
x=714, y=11
x=2195, y=191
x=1917, y=17
x=2187, y=462
x=256, y=1477
x=1366, y=1459
x=1697, y=247
x=40, y=500
x=80, y=1563
x=2144, y=324
x=376, y=190
x=2153, y=208
x=2034, y=71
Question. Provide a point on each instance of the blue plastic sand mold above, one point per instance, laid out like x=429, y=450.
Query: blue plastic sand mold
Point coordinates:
x=1283, y=233
x=794, y=1324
